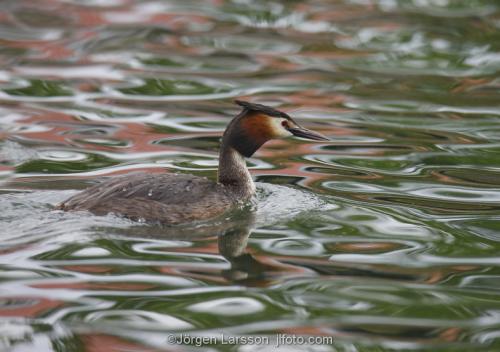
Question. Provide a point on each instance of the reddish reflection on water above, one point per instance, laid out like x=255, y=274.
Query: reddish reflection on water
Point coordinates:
x=386, y=238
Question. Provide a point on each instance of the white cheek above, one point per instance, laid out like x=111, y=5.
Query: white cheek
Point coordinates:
x=278, y=129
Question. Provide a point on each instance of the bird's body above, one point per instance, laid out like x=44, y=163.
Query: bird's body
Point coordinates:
x=167, y=198
x=173, y=199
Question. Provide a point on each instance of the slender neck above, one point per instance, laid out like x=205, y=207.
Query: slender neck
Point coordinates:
x=233, y=172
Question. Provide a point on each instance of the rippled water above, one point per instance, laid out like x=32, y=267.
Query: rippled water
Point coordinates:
x=385, y=239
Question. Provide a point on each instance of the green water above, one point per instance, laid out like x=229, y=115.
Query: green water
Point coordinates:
x=385, y=239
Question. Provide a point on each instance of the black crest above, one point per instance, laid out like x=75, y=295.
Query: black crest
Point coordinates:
x=261, y=108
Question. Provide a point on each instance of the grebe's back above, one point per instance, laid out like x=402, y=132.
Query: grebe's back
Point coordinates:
x=166, y=198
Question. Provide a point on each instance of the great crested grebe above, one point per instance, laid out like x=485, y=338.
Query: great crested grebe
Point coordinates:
x=173, y=199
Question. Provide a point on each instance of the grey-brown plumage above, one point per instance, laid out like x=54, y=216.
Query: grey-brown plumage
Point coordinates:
x=166, y=198
x=173, y=199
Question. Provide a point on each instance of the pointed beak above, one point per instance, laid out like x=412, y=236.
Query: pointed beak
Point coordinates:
x=308, y=134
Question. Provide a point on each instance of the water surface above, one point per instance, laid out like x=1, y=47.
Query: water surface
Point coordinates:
x=386, y=239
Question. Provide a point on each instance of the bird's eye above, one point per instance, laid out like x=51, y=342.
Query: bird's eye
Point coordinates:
x=284, y=123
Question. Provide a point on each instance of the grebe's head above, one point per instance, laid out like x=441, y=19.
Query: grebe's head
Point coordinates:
x=257, y=124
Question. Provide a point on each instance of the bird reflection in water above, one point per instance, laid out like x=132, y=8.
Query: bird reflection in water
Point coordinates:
x=232, y=234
